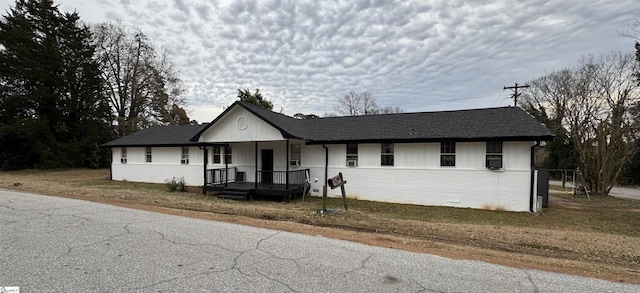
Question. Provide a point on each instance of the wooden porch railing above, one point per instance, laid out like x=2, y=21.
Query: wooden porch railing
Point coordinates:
x=221, y=176
x=266, y=179
x=278, y=179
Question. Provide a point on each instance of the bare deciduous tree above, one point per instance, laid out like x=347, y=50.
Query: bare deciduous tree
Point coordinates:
x=349, y=104
x=355, y=104
x=141, y=84
x=369, y=106
x=390, y=110
x=592, y=102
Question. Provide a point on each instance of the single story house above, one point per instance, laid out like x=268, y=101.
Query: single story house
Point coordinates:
x=480, y=158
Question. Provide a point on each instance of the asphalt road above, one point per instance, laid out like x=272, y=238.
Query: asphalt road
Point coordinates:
x=619, y=192
x=50, y=244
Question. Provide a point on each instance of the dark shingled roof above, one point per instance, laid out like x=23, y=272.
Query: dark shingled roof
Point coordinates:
x=172, y=135
x=504, y=123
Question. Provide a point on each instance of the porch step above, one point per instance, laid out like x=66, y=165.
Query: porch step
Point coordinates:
x=235, y=195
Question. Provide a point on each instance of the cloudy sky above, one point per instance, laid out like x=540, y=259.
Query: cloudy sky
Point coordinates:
x=419, y=55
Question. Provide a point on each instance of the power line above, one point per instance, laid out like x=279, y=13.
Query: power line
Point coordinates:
x=515, y=92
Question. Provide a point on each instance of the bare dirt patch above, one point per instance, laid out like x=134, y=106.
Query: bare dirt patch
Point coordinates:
x=598, y=238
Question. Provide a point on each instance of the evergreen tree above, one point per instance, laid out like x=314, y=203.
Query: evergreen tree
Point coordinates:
x=53, y=114
x=631, y=174
x=255, y=98
x=305, y=116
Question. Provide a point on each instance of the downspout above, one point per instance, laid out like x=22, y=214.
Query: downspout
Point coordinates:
x=204, y=168
x=111, y=165
x=326, y=164
x=532, y=179
x=226, y=165
x=286, y=179
x=256, y=171
x=326, y=178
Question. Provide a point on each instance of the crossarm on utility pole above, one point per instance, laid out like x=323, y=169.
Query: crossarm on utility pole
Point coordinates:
x=515, y=92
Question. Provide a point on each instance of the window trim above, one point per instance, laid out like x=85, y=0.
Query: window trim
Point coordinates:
x=447, y=152
x=148, y=154
x=184, y=157
x=295, y=157
x=123, y=155
x=216, y=157
x=387, y=158
x=352, y=158
x=228, y=154
x=494, y=152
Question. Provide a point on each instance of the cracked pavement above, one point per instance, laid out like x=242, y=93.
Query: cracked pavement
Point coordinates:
x=66, y=245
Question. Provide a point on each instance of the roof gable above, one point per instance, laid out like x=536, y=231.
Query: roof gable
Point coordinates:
x=237, y=125
x=283, y=123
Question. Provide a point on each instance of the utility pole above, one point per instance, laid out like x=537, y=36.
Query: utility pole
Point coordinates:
x=515, y=92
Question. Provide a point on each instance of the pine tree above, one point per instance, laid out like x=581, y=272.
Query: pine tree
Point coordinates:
x=53, y=114
x=254, y=99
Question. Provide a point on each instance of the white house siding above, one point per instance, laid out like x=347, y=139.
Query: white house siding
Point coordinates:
x=241, y=154
x=116, y=154
x=457, y=188
x=165, y=165
x=244, y=157
x=517, y=155
x=227, y=129
x=417, y=155
x=417, y=177
x=469, y=155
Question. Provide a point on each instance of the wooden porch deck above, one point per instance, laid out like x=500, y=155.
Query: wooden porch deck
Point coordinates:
x=275, y=188
x=248, y=190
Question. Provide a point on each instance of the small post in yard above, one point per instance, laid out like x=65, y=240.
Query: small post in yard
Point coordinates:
x=324, y=198
x=338, y=181
x=344, y=194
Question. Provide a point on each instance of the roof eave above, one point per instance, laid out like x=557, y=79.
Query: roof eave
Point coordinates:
x=285, y=134
x=196, y=137
x=150, y=144
x=437, y=139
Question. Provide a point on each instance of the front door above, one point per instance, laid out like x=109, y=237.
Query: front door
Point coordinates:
x=267, y=166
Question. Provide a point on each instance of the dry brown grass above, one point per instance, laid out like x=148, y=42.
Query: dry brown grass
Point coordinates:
x=598, y=238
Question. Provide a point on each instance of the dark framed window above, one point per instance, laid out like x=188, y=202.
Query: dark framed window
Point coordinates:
x=386, y=154
x=448, y=154
x=148, y=154
x=227, y=157
x=295, y=154
x=123, y=156
x=184, y=158
x=494, y=155
x=216, y=155
x=352, y=155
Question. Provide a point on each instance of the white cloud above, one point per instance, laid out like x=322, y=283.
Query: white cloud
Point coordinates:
x=419, y=55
